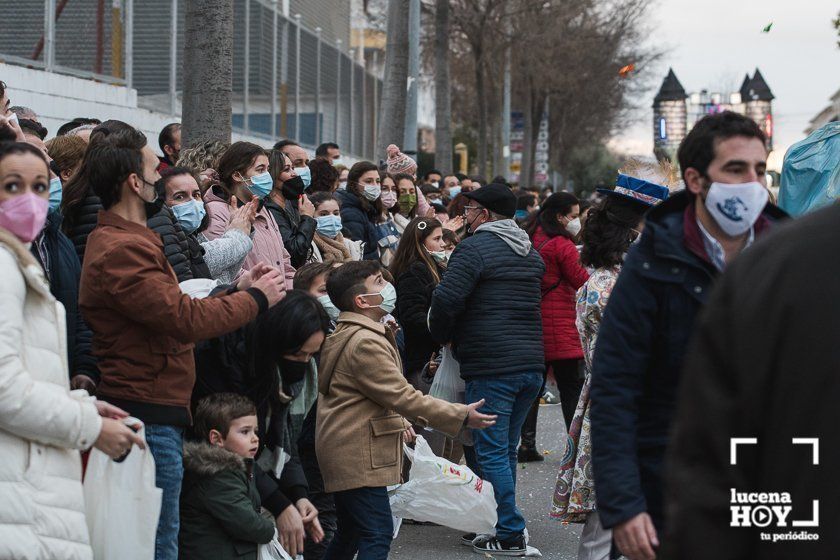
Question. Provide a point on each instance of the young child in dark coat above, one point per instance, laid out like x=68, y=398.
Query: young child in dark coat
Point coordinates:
x=220, y=505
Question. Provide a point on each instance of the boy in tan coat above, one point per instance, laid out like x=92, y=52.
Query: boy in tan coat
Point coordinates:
x=363, y=398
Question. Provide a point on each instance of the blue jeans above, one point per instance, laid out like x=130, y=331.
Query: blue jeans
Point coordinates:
x=509, y=397
x=167, y=446
x=364, y=525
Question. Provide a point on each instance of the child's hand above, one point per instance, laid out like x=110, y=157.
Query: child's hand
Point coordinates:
x=290, y=529
x=309, y=516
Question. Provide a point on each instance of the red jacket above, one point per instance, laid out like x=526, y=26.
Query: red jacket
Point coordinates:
x=563, y=276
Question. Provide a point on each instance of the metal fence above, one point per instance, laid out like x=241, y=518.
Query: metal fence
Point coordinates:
x=288, y=81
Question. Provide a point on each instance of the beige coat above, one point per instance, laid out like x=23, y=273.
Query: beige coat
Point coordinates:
x=363, y=398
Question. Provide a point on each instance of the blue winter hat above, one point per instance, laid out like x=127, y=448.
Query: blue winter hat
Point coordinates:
x=639, y=190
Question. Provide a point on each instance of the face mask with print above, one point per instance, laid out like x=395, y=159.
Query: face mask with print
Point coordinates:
x=329, y=226
x=389, y=298
x=55, y=193
x=260, y=185
x=328, y=306
x=736, y=207
x=389, y=199
x=305, y=175
x=574, y=226
x=189, y=215
x=24, y=215
x=372, y=192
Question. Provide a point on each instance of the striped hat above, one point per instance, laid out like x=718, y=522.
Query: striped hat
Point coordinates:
x=640, y=190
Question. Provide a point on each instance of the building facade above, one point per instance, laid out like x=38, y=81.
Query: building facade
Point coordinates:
x=675, y=111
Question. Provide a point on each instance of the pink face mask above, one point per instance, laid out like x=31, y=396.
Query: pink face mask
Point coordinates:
x=24, y=215
x=389, y=199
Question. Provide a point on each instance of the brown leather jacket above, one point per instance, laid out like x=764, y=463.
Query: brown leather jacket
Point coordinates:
x=363, y=398
x=143, y=326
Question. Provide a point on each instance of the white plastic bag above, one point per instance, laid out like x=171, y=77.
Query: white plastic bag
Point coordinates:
x=273, y=550
x=442, y=492
x=122, y=504
x=448, y=384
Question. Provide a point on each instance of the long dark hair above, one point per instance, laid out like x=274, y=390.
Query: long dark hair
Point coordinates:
x=558, y=204
x=608, y=231
x=237, y=158
x=411, y=249
x=355, y=188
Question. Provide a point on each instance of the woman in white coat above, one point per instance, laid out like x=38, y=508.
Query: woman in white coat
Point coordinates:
x=43, y=424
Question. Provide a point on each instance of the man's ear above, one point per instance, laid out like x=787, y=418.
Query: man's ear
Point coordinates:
x=216, y=438
x=693, y=181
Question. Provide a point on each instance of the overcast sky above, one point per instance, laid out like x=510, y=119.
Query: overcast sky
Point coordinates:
x=713, y=43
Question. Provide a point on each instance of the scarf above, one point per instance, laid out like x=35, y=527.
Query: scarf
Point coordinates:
x=332, y=250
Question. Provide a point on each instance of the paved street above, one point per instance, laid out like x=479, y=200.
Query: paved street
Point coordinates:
x=535, y=486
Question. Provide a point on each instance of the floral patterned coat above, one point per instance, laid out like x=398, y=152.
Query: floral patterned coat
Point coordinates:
x=574, y=494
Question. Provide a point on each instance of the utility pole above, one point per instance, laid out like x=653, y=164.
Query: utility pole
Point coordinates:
x=410, y=141
x=506, y=110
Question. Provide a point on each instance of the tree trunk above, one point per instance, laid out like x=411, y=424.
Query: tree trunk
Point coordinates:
x=526, y=174
x=392, y=113
x=208, y=85
x=443, y=100
x=482, y=114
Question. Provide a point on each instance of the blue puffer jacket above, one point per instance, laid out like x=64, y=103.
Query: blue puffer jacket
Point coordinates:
x=357, y=224
x=488, y=305
x=646, y=327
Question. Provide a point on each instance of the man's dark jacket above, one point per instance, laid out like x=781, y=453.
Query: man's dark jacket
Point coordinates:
x=763, y=364
x=64, y=275
x=664, y=282
x=488, y=306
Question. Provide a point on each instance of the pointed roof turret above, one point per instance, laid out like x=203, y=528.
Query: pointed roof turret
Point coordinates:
x=745, y=89
x=759, y=90
x=671, y=89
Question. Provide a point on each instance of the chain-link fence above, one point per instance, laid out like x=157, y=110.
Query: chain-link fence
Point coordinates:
x=288, y=81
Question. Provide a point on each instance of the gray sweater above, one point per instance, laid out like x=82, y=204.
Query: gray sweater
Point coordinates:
x=224, y=255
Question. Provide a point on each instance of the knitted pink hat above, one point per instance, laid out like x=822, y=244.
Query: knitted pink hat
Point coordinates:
x=398, y=162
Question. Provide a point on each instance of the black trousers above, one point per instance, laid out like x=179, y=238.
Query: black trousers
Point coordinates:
x=569, y=384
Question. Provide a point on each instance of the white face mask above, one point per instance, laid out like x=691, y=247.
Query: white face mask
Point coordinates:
x=736, y=207
x=342, y=186
x=573, y=226
x=372, y=192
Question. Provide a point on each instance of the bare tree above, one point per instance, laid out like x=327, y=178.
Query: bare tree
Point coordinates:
x=208, y=85
x=443, y=100
x=392, y=114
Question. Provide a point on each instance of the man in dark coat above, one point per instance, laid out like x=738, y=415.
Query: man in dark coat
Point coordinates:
x=488, y=308
x=663, y=284
x=763, y=365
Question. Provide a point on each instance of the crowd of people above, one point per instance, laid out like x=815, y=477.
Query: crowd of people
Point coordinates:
x=275, y=322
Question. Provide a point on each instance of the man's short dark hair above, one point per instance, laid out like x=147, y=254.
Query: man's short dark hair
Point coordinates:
x=432, y=172
x=167, y=135
x=428, y=188
x=348, y=281
x=697, y=150
x=306, y=275
x=461, y=177
x=322, y=150
x=76, y=123
x=283, y=143
x=32, y=127
x=111, y=159
x=218, y=411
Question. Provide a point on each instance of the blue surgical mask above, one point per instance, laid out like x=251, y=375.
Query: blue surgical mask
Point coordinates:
x=55, y=193
x=454, y=191
x=189, y=215
x=329, y=226
x=328, y=306
x=389, y=298
x=261, y=185
x=305, y=174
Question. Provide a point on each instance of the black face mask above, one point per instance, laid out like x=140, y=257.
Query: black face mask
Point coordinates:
x=292, y=371
x=293, y=188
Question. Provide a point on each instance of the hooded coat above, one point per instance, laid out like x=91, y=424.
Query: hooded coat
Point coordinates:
x=220, y=506
x=488, y=303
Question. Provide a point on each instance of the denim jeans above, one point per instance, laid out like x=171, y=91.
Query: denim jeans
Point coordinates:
x=167, y=446
x=364, y=525
x=509, y=397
